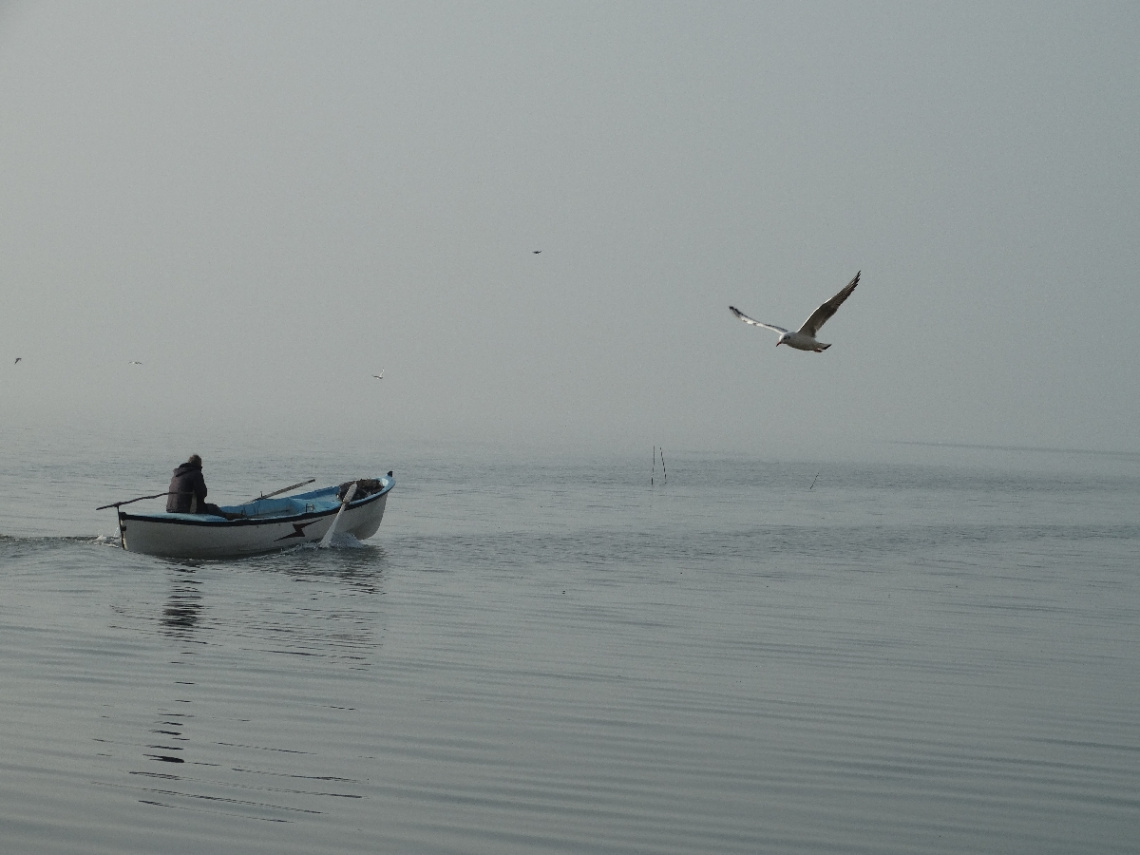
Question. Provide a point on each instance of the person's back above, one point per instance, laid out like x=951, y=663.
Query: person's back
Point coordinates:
x=187, y=488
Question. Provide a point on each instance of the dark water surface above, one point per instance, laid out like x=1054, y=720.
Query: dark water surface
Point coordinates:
x=537, y=657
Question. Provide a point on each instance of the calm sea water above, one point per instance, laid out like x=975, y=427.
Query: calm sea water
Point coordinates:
x=554, y=656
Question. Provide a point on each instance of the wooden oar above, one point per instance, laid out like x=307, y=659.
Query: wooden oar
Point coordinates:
x=283, y=490
x=139, y=499
x=347, y=498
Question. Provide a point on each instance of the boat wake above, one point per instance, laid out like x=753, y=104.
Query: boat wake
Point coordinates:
x=13, y=540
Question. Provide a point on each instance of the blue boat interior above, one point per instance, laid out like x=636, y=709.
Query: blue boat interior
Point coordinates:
x=315, y=502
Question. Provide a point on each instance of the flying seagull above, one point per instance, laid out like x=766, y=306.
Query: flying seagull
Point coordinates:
x=379, y=376
x=134, y=362
x=18, y=358
x=536, y=251
x=804, y=337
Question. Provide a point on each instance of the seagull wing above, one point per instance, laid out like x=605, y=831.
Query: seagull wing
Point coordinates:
x=819, y=316
x=754, y=322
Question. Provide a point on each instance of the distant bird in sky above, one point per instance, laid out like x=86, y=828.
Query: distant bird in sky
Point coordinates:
x=18, y=358
x=135, y=362
x=537, y=251
x=379, y=376
x=804, y=337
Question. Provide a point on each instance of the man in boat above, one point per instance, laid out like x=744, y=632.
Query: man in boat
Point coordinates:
x=188, y=491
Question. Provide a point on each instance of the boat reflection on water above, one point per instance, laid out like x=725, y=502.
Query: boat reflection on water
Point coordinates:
x=183, y=608
x=167, y=740
x=237, y=689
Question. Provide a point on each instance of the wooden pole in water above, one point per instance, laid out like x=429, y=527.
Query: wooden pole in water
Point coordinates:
x=663, y=466
x=653, y=466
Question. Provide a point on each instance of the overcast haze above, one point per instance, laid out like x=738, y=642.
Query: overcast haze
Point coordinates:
x=266, y=203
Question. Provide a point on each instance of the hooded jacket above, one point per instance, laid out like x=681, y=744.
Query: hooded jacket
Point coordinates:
x=188, y=490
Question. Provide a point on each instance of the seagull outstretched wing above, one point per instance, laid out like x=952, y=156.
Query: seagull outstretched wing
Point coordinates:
x=755, y=322
x=820, y=316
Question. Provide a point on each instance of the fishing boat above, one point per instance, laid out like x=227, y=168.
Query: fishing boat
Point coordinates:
x=265, y=524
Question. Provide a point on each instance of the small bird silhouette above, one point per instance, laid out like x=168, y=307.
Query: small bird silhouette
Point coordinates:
x=379, y=376
x=18, y=358
x=537, y=251
x=134, y=362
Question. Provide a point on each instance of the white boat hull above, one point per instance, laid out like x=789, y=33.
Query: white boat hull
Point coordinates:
x=302, y=519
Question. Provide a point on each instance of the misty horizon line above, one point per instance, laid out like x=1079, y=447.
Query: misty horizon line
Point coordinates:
x=1040, y=449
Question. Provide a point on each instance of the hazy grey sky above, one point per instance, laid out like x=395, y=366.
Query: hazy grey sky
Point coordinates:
x=266, y=203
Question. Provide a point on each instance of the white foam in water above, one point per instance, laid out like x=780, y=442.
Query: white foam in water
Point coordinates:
x=339, y=540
